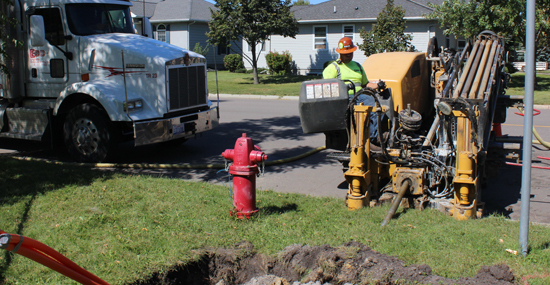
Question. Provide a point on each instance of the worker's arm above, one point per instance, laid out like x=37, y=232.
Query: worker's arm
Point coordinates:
x=370, y=85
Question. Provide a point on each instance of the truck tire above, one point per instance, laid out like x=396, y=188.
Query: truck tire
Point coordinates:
x=88, y=134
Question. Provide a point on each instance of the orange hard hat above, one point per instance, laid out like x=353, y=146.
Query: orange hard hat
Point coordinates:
x=345, y=45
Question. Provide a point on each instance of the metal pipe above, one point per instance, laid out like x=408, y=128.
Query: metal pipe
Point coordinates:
x=480, y=70
x=472, y=73
x=466, y=70
x=527, y=130
x=431, y=133
x=487, y=72
x=449, y=84
x=397, y=201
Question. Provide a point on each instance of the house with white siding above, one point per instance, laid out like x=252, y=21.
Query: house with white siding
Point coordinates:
x=185, y=22
x=321, y=26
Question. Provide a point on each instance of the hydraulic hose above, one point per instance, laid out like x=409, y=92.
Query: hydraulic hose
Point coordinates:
x=166, y=166
x=48, y=257
x=535, y=133
x=539, y=138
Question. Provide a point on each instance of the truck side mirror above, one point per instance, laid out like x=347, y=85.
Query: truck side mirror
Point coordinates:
x=38, y=32
x=147, y=29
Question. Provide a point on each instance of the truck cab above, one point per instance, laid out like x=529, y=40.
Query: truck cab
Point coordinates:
x=83, y=77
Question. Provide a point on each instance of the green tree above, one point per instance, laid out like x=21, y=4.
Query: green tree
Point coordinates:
x=504, y=17
x=388, y=34
x=7, y=42
x=300, y=2
x=253, y=21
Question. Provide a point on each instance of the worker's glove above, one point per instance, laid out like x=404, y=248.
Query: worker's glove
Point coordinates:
x=381, y=85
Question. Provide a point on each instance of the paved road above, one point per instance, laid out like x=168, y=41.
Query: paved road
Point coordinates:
x=503, y=193
x=274, y=125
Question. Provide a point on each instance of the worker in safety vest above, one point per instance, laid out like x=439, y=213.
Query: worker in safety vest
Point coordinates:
x=346, y=69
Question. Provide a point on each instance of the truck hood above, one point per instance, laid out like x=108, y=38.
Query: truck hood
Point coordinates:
x=136, y=44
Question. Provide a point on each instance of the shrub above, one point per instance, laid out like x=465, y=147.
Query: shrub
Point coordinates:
x=279, y=63
x=233, y=62
x=201, y=50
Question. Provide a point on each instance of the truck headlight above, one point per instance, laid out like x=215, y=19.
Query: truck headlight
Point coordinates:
x=134, y=105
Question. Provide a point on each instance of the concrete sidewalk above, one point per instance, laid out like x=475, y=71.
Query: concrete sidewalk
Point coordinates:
x=249, y=96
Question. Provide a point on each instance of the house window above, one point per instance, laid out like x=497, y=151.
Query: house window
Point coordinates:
x=349, y=31
x=320, y=37
x=447, y=42
x=461, y=45
x=261, y=46
x=162, y=33
x=223, y=48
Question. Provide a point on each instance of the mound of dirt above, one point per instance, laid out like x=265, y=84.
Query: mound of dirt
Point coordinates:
x=352, y=263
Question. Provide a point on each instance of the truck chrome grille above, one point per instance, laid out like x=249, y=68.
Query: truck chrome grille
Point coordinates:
x=186, y=87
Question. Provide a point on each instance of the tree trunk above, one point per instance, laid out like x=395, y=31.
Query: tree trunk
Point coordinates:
x=255, y=64
x=256, y=79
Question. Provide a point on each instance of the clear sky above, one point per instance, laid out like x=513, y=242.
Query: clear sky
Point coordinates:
x=310, y=1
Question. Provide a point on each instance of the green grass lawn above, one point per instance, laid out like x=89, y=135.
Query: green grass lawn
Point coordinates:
x=124, y=227
x=542, y=87
x=241, y=83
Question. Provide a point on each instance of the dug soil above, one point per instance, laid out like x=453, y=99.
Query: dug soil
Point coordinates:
x=352, y=263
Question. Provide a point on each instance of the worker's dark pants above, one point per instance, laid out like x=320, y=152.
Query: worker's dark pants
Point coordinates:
x=369, y=101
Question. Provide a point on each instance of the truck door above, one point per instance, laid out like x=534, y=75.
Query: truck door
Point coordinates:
x=48, y=65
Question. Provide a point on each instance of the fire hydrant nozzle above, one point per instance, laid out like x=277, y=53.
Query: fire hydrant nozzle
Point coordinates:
x=244, y=168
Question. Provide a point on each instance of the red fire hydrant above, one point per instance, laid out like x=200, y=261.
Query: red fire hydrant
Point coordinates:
x=245, y=157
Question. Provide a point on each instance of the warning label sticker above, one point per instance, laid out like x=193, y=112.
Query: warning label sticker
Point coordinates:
x=322, y=90
x=335, y=90
x=326, y=90
x=318, y=91
x=310, y=93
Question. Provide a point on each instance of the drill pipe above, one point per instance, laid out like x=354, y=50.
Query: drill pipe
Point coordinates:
x=487, y=73
x=466, y=70
x=473, y=69
x=480, y=70
x=397, y=201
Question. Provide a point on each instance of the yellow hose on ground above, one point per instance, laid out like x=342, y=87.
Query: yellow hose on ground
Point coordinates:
x=536, y=134
x=540, y=140
x=164, y=166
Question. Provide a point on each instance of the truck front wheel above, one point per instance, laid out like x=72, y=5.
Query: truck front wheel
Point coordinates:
x=88, y=134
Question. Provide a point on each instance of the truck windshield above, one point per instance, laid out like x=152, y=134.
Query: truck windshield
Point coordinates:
x=90, y=19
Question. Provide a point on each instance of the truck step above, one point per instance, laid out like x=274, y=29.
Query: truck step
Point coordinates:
x=25, y=123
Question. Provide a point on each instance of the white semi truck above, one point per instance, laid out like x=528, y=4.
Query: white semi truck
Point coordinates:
x=83, y=77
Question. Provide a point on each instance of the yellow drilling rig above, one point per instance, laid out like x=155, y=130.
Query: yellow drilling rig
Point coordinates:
x=433, y=115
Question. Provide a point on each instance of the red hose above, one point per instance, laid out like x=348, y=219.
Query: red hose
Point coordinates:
x=535, y=112
x=49, y=257
x=59, y=267
x=533, y=166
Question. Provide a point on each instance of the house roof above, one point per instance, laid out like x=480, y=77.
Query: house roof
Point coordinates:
x=333, y=10
x=182, y=11
x=338, y=10
x=138, y=6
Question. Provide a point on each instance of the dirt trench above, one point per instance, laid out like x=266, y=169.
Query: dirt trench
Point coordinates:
x=352, y=263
